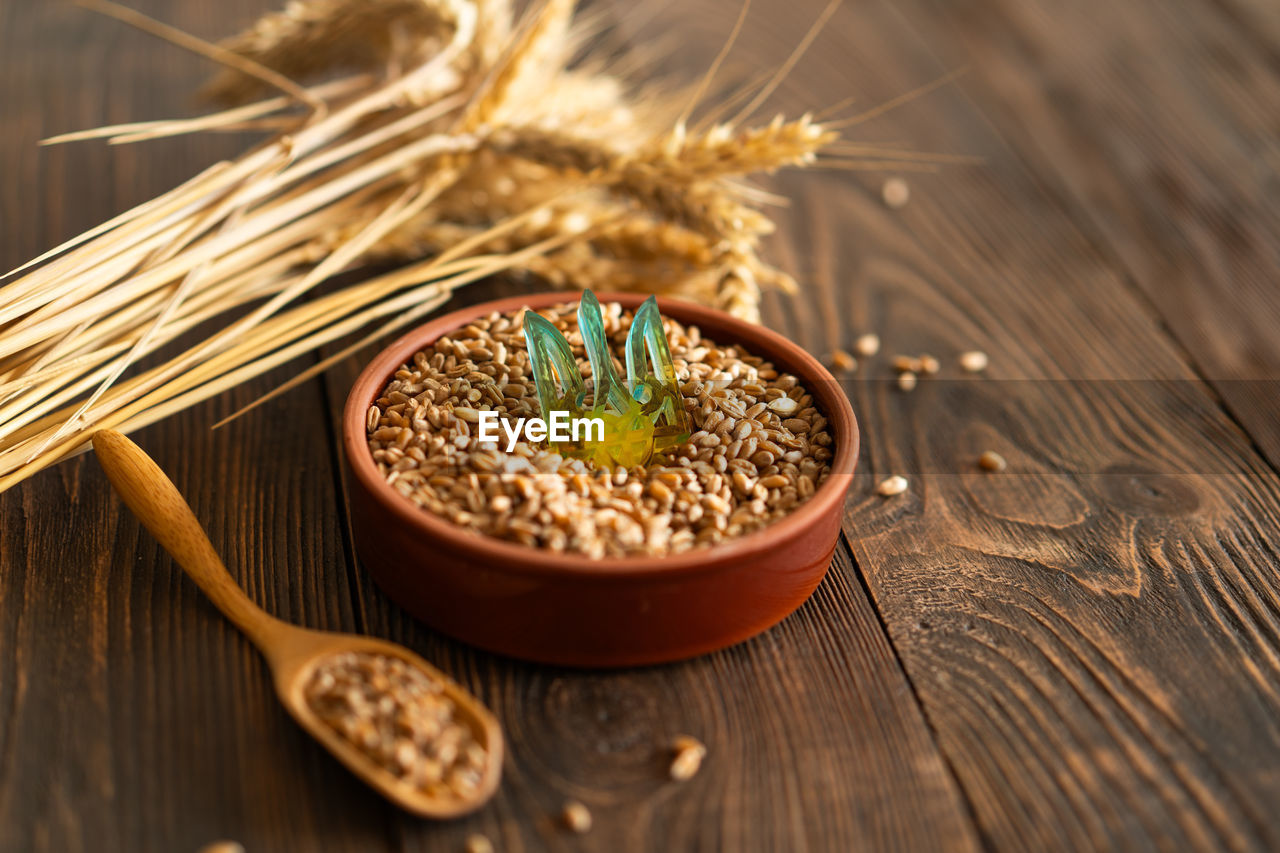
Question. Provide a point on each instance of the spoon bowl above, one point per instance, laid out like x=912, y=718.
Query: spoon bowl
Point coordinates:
x=293, y=653
x=292, y=668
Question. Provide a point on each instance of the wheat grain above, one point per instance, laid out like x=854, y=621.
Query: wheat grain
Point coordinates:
x=974, y=361
x=895, y=193
x=992, y=461
x=398, y=715
x=689, y=753
x=759, y=449
x=891, y=486
x=576, y=817
x=867, y=345
x=477, y=843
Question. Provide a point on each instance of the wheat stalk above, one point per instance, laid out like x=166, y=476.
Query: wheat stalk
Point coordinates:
x=442, y=134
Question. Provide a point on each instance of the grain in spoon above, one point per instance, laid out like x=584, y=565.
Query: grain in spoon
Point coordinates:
x=323, y=678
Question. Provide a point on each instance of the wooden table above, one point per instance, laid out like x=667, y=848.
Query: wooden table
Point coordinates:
x=1082, y=652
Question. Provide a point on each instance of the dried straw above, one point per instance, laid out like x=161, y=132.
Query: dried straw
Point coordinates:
x=400, y=128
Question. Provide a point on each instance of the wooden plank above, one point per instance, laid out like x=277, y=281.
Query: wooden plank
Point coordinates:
x=134, y=718
x=1161, y=138
x=1094, y=634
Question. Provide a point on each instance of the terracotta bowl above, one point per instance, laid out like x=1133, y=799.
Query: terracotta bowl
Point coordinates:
x=570, y=609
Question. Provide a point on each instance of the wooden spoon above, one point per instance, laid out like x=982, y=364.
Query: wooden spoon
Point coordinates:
x=291, y=652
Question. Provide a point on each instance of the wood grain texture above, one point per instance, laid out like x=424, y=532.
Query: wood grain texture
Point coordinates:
x=1158, y=126
x=134, y=718
x=1094, y=634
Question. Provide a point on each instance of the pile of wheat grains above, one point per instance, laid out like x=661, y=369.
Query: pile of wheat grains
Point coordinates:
x=759, y=448
x=400, y=717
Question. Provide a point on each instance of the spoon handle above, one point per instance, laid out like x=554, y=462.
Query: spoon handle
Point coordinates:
x=158, y=504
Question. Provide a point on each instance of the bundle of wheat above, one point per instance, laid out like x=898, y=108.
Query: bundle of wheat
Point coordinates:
x=442, y=133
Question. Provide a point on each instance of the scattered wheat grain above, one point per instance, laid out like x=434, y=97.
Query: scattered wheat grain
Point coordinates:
x=895, y=193
x=992, y=461
x=223, y=847
x=906, y=363
x=576, y=817
x=867, y=345
x=477, y=843
x=689, y=753
x=974, y=361
x=891, y=486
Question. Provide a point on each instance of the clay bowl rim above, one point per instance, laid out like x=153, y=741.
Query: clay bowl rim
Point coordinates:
x=523, y=559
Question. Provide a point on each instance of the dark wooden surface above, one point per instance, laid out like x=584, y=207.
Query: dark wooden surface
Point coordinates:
x=1083, y=652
